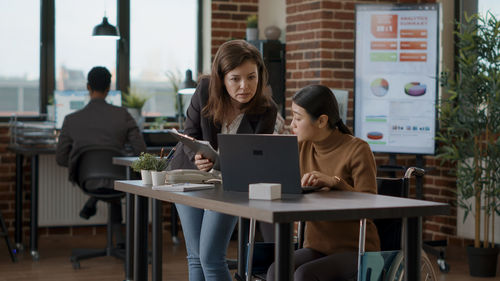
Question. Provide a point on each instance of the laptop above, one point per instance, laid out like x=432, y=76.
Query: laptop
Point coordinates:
x=250, y=158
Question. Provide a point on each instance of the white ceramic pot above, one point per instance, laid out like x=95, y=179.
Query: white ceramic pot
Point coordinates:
x=146, y=177
x=252, y=34
x=158, y=177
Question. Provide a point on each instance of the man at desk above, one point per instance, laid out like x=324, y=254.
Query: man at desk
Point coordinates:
x=98, y=123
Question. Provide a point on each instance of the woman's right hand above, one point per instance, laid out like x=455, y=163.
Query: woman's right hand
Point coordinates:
x=202, y=163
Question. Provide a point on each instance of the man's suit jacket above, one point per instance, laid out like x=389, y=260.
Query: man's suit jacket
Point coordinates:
x=97, y=124
x=202, y=128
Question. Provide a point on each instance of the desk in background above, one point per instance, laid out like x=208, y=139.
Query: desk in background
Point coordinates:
x=333, y=205
x=33, y=153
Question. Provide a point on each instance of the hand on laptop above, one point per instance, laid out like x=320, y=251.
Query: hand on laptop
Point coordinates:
x=316, y=178
x=202, y=163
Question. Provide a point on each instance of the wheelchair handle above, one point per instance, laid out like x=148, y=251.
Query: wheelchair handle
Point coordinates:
x=418, y=172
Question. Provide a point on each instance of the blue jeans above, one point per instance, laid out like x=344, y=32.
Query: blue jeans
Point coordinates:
x=207, y=236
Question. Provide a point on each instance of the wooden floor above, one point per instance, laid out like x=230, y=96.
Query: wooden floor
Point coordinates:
x=55, y=251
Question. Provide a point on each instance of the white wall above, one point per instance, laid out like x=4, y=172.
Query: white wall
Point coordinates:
x=272, y=12
x=466, y=229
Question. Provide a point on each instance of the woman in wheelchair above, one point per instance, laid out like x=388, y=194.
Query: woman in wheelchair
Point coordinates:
x=331, y=157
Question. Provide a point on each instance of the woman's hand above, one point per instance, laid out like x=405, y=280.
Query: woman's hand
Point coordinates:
x=202, y=163
x=316, y=178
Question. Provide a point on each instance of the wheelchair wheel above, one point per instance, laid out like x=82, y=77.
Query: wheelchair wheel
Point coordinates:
x=396, y=271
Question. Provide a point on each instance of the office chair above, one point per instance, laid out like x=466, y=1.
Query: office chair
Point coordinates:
x=5, y=234
x=95, y=165
x=385, y=265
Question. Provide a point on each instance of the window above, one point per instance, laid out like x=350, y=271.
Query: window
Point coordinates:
x=76, y=50
x=162, y=47
x=492, y=6
x=19, y=57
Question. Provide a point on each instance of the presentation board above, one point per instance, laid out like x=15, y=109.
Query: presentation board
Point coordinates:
x=67, y=102
x=396, y=76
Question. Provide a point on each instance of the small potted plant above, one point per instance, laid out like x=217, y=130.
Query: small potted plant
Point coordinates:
x=134, y=100
x=145, y=164
x=252, y=28
x=158, y=173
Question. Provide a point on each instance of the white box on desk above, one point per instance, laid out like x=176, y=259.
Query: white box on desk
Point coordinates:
x=264, y=191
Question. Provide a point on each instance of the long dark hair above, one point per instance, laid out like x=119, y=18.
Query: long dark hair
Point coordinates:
x=318, y=100
x=230, y=55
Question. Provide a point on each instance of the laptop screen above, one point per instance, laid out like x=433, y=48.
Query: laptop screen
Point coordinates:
x=247, y=159
x=70, y=101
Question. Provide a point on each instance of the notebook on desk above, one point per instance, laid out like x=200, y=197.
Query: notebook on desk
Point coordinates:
x=246, y=159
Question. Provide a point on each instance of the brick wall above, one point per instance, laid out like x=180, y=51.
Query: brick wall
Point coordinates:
x=320, y=50
x=8, y=183
x=229, y=20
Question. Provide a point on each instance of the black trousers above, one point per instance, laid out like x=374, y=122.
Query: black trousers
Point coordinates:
x=311, y=265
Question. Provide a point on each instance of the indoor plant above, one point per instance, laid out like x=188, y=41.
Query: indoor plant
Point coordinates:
x=145, y=164
x=134, y=100
x=470, y=128
x=252, y=30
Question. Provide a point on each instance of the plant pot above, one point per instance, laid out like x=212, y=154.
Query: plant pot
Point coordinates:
x=482, y=261
x=158, y=178
x=252, y=34
x=136, y=114
x=146, y=177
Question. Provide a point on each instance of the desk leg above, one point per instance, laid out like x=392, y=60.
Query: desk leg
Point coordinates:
x=284, y=252
x=157, y=241
x=129, y=239
x=34, y=208
x=141, y=239
x=413, y=246
x=243, y=227
x=19, y=202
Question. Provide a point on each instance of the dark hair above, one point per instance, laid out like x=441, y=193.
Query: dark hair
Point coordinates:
x=229, y=56
x=318, y=100
x=99, y=79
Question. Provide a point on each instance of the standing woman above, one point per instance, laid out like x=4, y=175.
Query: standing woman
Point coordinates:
x=230, y=101
x=330, y=156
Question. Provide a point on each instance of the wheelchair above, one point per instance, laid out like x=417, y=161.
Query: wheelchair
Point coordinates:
x=386, y=265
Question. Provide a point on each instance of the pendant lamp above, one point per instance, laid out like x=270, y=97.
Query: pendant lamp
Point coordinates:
x=106, y=30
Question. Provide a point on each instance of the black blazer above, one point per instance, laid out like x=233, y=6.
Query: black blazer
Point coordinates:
x=202, y=128
x=97, y=124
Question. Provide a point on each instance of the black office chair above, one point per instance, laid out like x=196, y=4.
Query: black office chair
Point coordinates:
x=388, y=262
x=94, y=167
x=5, y=234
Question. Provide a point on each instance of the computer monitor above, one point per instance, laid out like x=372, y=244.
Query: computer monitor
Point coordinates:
x=67, y=102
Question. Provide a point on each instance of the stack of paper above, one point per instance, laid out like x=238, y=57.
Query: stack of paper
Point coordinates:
x=183, y=187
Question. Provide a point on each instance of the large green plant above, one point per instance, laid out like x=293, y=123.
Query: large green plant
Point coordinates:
x=470, y=122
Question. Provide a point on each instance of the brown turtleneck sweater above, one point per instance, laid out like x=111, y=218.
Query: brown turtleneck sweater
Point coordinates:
x=350, y=159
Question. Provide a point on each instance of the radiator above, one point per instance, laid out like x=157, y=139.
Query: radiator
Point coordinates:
x=60, y=202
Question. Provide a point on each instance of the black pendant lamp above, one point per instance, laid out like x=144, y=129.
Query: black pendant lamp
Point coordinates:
x=106, y=30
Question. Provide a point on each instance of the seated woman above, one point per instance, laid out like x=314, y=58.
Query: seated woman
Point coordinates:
x=330, y=156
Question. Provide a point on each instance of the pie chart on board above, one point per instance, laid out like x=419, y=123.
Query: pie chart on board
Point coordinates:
x=415, y=89
x=379, y=87
x=375, y=135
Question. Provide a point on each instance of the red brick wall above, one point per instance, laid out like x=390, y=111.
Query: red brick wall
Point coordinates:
x=320, y=50
x=8, y=183
x=229, y=20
